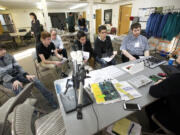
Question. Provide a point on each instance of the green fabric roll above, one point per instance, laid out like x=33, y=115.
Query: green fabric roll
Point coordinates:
x=171, y=30
x=167, y=26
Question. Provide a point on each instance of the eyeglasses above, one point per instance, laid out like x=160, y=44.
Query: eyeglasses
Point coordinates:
x=103, y=32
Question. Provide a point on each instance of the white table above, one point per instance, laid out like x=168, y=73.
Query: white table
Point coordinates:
x=107, y=114
x=18, y=34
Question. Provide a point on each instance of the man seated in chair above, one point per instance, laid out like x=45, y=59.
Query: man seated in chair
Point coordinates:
x=48, y=56
x=134, y=45
x=103, y=48
x=12, y=76
x=56, y=39
x=83, y=44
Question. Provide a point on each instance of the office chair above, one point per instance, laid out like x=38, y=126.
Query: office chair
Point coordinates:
x=161, y=127
x=21, y=118
x=5, y=94
x=51, y=124
x=7, y=107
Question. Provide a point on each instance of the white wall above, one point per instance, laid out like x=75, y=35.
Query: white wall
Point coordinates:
x=22, y=19
x=115, y=11
x=153, y=3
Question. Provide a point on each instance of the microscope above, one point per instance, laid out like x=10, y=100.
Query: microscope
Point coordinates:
x=75, y=96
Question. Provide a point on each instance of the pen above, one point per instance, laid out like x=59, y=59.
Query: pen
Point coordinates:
x=131, y=129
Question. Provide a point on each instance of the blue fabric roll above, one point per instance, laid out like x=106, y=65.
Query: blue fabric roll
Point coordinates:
x=157, y=24
x=163, y=22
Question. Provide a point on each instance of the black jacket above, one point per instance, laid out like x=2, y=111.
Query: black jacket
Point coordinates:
x=170, y=90
x=103, y=48
x=82, y=22
x=36, y=28
x=86, y=47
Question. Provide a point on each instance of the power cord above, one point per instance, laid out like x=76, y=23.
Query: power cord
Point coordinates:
x=96, y=118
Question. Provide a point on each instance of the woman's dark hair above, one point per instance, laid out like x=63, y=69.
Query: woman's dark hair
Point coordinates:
x=135, y=26
x=33, y=14
x=80, y=34
x=102, y=27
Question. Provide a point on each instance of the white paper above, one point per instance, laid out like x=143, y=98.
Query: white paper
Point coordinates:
x=136, y=130
x=110, y=72
x=77, y=56
x=129, y=89
x=86, y=55
x=134, y=68
x=108, y=59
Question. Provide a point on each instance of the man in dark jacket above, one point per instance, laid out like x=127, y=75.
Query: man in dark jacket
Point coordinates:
x=82, y=23
x=103, y=48
x=70, y=22
x=83, y=44
x=166, y=110
x=12, y=76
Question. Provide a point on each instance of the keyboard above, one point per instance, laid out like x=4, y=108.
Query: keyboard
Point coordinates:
x=151, y=62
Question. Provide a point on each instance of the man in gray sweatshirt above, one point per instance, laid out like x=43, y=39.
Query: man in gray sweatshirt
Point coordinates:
x=13, y=76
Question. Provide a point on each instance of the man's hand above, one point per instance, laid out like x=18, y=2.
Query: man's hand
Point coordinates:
x=60, y=57
x=16, y=84
x=57, y=63
x=30, y=77
x=159, y=81
x=132, y=58
x=114, y=52
x=32, y=33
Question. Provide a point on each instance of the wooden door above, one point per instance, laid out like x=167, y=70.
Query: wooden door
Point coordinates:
x=1, y=28
x=124, y=19
x=98, y=19
x=84, y=14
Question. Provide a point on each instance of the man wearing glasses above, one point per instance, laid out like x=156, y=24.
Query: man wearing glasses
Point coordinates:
x=103, y=49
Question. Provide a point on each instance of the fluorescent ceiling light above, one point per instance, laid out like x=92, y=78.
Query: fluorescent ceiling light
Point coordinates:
x=79, y=6
x=39, y=5
x=2, y=8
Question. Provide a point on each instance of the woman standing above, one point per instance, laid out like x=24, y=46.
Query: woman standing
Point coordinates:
x=35, y=28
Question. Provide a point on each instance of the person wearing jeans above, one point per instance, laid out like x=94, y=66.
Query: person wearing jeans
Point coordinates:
x=12, y=76
x=56, y=39
x=104, y=63
x=48, y=56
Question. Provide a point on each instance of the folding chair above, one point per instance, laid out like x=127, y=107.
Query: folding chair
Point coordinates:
x=39, y=69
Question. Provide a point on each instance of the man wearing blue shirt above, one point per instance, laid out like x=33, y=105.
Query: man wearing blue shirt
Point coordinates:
x=134, y=45
x=56, y=39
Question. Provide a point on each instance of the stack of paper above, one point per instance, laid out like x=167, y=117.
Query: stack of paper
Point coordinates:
x=110, y=72
x=126, y=91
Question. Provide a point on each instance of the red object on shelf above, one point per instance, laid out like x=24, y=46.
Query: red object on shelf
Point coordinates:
x=131, y=18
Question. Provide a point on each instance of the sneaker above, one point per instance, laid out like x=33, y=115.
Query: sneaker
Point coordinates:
x=64, y=75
